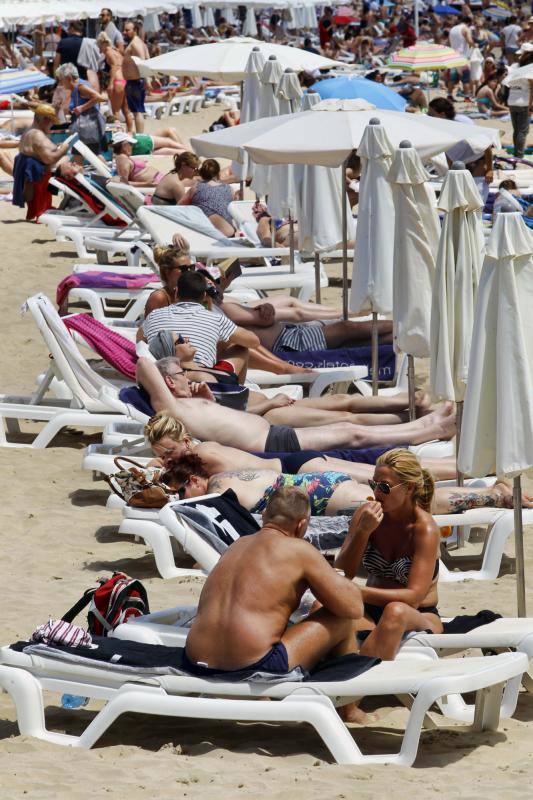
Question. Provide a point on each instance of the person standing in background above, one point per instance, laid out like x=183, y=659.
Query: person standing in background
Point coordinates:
x=135, y=85
x=108, y=26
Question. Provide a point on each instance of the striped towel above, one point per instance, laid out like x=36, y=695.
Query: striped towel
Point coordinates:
x=57, y=631
x=118, y=351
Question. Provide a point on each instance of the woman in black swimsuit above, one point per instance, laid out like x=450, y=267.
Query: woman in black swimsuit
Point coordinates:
x=397, y=541
x=178, y=181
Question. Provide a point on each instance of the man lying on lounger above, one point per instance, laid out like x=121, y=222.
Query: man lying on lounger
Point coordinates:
x=258, y=583
x=207, y=421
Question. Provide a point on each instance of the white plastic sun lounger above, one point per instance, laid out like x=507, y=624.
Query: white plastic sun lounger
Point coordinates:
x=25, y=677
x=87, y=407
x=124, y=237
x=159, y=528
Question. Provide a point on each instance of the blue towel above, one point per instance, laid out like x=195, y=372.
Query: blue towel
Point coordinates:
x=345, y=357
x=25, y=168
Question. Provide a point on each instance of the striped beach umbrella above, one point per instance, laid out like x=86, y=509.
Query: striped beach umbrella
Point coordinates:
x=426, y=56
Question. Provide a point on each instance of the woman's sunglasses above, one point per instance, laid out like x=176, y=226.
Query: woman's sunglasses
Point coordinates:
x=383, y=486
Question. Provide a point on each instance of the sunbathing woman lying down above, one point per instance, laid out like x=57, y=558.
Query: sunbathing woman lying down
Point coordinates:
x=329, y=492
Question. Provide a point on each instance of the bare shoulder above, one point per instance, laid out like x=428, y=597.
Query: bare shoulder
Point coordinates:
x=425, y=527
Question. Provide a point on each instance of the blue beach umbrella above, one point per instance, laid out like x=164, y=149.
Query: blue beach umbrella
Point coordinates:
x=443, y=9
x=350, y=88
x=21, y=80
x=497, y=12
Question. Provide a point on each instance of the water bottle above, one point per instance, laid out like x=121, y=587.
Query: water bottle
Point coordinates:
x=73, y=701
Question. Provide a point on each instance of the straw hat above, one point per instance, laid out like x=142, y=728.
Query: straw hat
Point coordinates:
x=46, y=110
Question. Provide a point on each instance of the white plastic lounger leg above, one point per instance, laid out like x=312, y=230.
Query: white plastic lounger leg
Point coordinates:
x=488, y=701
x=27, y=695
x=317, y=710
x=497, y=536
x=66, y=418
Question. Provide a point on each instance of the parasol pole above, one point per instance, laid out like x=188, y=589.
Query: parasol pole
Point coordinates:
x=245, y=165
x=375, y=354
x=411, y=386
x=344, y=243
x=318, y=291
x=417, y=24
x=459, y=405
x=291, y=241
x=519, y=547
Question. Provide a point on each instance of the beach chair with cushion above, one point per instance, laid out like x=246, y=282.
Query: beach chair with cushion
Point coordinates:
x=87, y=405
x=143, y=680
x=119, y=240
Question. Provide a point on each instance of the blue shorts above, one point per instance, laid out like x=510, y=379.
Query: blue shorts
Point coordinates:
x=276, y=660
x=135, y=94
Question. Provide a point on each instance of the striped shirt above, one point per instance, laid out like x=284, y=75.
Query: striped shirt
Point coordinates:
x=205, y=329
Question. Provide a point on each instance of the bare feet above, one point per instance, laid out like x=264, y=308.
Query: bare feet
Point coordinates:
x=442, y=414
x=352, y=713
x=447, y=428
x=504, y=493
x=422, y=403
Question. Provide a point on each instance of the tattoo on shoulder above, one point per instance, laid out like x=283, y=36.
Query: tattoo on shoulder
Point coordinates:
x=241, y=474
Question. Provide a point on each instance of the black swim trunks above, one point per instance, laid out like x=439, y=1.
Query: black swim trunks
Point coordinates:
x=282, y=439
x=291, y=463
x=276, y=660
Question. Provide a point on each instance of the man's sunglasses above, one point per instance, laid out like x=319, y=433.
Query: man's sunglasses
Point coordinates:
x=383, y=486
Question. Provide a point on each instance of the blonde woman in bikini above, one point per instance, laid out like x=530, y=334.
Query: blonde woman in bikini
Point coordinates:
x=116, y=88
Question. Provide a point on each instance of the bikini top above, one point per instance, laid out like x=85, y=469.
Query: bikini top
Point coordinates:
x=398, y=570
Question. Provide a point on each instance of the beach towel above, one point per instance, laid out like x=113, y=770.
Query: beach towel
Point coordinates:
x=28, y=170
x=139, y=658
x=344, y=357
x=93, y=279
x=118, y=351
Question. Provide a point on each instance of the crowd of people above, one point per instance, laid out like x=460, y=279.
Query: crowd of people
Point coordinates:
x=285, y=459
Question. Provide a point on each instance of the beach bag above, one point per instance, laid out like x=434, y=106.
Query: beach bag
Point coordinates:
x=90, y=126
x=114, y=601
x=139, y=486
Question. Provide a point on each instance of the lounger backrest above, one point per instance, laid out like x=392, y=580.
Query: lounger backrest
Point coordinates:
x=130, y=197
x=62, y=186
x=96, y=163
x=84, y=383
x=189, y=539
x=162, y=229
x=112, y=206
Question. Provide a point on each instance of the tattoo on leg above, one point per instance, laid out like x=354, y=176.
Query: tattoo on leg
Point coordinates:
x=464, y=502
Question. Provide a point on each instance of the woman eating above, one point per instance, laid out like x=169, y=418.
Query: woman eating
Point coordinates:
x=396, y=540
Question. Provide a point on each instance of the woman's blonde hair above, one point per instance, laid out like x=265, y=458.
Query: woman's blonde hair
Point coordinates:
x=103, y=38
x=409, y=470
x=165, y=256
x=164, y=425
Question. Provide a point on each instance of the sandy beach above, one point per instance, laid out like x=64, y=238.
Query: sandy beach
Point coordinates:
x=58, y=537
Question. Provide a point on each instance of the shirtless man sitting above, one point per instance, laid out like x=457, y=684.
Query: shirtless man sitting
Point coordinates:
x=248, y=598
x=206, y=420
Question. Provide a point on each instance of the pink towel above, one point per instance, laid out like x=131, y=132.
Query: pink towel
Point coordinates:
x=114, y=348
x=100, y=280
